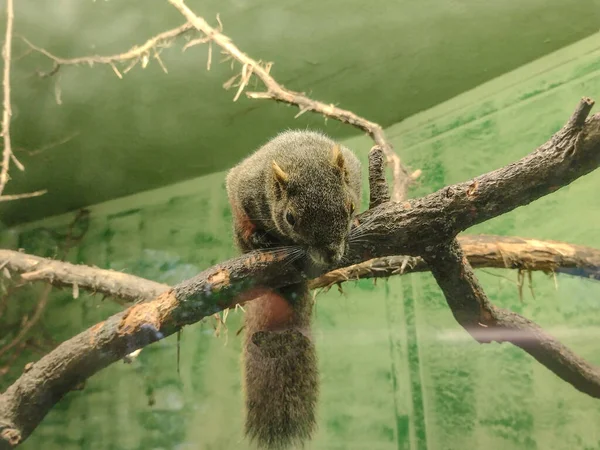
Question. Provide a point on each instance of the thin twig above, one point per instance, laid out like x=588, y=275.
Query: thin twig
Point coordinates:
x=49, y=146
x=134, y=55
x=401, y=176
x=8, y=198
x=7, y=111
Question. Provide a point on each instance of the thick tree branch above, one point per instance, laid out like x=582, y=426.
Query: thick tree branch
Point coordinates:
x=486, y=323
x=28, y=400
x=482, y=251
x=409, y=227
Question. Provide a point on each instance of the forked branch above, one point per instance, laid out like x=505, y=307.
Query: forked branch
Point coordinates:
x=412, y=228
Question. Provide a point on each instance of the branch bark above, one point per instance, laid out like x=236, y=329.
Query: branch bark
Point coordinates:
x=482, y=251
x=413, y=227
x=410, y=227
x=486, y=323
x=60, y=274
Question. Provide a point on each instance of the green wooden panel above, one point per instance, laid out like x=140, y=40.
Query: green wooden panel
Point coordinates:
x=397, y=371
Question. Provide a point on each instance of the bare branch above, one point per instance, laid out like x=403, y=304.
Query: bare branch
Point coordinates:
x=486, y=323
x=59, y=273
x=402, y=178
x=136, y=54
x=414, y=224
x=8, y=198
x=482, y=251
x=49, y=146
x=7, y=154
x=379, y=191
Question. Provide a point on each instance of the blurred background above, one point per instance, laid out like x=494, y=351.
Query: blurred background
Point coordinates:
x=462, y=87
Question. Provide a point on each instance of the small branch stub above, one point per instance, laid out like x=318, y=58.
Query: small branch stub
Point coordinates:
x=379, y=190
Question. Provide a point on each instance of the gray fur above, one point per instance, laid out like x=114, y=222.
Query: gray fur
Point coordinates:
x=280, y=363
x=315, y=194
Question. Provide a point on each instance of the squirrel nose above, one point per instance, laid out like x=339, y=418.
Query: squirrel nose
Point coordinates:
x=327, y=255
x=332, y=254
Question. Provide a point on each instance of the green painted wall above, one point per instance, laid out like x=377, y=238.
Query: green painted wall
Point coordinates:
x=397, y=371
x=385, y=60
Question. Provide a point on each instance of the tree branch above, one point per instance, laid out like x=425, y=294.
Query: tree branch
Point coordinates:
x=482, y=251
x=59, y=274
x=133, y=56
x=402, y=178
x=413, y=227
x=379, y=191
x=409, y=227
x=486, y=323
x=7, y=110
x=7, y=153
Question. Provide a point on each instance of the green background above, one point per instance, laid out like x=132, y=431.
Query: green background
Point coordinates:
x=397, y=371
x=384, y=60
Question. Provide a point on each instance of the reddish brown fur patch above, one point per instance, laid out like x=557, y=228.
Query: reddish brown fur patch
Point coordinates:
x=243, y=223
x=269, y=312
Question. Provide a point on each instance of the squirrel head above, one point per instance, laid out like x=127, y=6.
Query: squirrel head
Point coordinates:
x=313, y=206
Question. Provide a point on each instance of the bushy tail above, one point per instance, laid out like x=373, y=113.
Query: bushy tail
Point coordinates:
x=281, y=374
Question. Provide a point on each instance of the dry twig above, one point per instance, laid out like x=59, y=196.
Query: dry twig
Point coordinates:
x=7, y=153
x=402, y=179
x=401, y=176
x=137, y=54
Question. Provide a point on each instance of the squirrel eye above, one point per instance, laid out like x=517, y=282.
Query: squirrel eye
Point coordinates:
x=290, y=218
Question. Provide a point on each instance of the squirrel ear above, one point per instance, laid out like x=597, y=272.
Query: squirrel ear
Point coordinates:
x=337, y=159
x=280, y=176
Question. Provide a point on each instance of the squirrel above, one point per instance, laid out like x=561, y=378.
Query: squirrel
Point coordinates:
x=298, y=191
